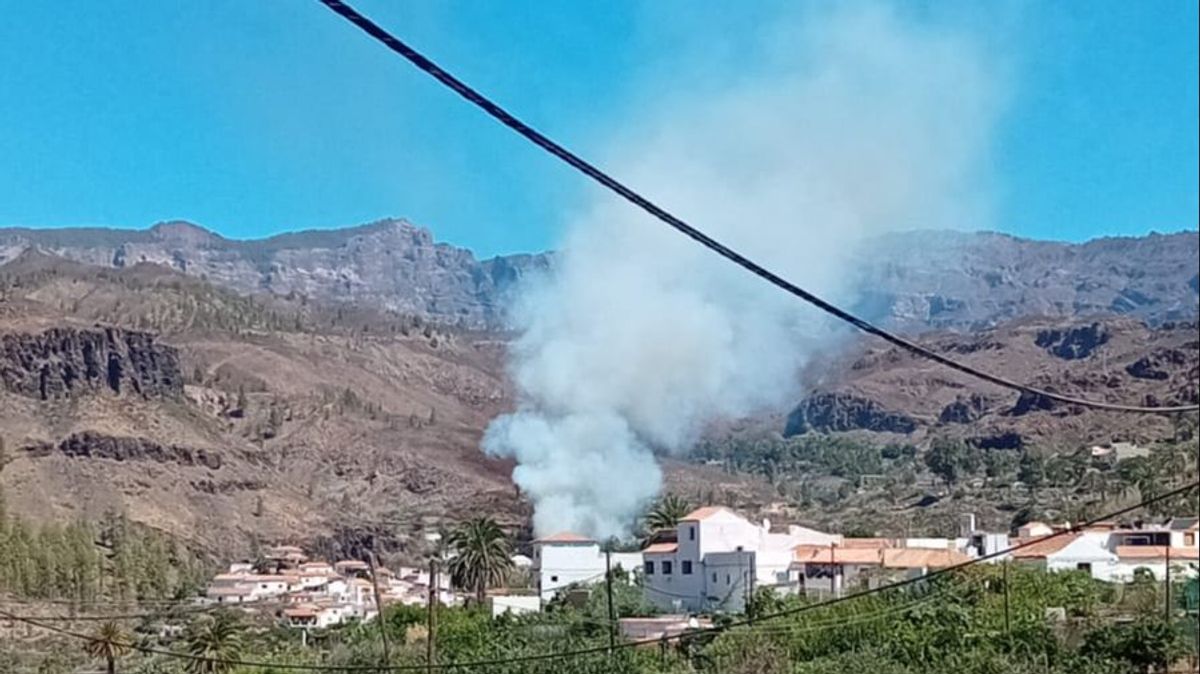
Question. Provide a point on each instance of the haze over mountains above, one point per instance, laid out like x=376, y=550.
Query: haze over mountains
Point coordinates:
x=914, y=281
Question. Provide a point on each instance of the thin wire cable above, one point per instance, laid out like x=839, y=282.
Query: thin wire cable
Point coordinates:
x=442, y=666
x=575, y=161
x=119, y=616
x=854, y=620
x=166, y=607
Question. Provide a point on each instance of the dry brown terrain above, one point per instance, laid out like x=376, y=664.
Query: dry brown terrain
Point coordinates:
x=241, y=419
x=881, y=390
x=231, y=419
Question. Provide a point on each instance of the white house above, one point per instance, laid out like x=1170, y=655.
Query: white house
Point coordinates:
x=566, y=559
x=317, y=615
x=1151, y=548
x=872, y=561
x=237, y=588
x=719, y=558
x=1116, y=554
x=1087, y=551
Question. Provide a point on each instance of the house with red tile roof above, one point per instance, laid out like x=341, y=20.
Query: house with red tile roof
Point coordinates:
x=1116, y=554
x=833, y=568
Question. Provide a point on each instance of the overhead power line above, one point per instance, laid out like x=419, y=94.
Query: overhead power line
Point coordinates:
x=166, y=608
x=153, y=615
x=575, y=161
x=597, y=650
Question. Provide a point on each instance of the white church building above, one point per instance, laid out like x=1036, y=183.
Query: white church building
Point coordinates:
x=719, y=558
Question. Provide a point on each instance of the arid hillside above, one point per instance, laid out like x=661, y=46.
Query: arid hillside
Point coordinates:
x=881, y=390
x=225, y=419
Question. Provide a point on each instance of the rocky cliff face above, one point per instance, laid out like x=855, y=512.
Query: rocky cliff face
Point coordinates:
x=880, y=389
x=913, y=281
x=390, y=264
x=92, y=445
x=66, y=362
x=830, y=412
x=955, y=280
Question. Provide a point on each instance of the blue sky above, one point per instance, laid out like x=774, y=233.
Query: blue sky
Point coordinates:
x=261, y=117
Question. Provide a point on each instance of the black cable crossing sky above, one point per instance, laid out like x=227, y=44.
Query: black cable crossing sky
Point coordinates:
x=508, y=119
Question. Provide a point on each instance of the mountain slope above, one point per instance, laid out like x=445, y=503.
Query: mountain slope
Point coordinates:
x=390, y=264
x=921, y=280
x=227, y=419
x=879, y=389
x=913, y=281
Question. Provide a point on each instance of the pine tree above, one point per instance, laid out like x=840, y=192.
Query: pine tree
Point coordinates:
x=6, y=561
x=20, y=543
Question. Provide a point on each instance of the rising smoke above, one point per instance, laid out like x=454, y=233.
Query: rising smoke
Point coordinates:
x=639, y=337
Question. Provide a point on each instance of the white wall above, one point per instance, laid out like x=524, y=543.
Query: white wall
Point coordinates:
x=515, y=604
x=1124, y=570
x=1090, y=548
x=725, y=531
x=804, y=536
x=561, y=564
x=1185, y=539
x=928, y=543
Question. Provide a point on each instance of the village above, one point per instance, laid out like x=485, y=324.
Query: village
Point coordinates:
x=712, y=562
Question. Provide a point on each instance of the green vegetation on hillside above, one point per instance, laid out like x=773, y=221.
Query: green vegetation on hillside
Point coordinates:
x=858, y=480
x=85, y=562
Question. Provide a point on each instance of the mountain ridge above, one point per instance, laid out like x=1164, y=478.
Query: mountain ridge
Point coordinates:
x=389, y=263
x=911, y=281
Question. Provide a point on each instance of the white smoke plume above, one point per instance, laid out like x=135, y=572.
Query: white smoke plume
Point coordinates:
x=639, y=337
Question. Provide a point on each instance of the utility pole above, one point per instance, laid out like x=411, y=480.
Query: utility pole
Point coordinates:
x=753, y=576
x=612, y=614
x=1167, y=607
x=1007, y=624
x=373, y=566
x=746, y=596
x=431, y=617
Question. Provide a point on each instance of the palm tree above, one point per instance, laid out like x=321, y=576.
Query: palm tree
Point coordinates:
x=213, y=641
x=110, y=642
x=666, y=513
x=482, y=556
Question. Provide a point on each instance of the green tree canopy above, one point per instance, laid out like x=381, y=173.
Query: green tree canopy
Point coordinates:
x=482, y=556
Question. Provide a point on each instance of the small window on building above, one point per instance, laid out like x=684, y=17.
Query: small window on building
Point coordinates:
x=649, y=568
x=553, y=579
x=666, y=568
x=714, y=576
x=727, y=580
x=1084, y=566
x=691, y=533
x=1189, y=539
x=686, y=567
